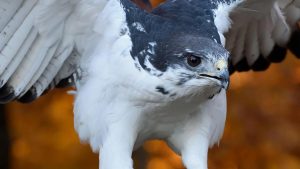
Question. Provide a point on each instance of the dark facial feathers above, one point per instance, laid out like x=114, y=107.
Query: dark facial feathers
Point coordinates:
x=159, y=35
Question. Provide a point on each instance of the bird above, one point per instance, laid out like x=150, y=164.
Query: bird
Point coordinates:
x=160, y=73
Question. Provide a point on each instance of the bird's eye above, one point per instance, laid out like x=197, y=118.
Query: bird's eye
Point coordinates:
x=193, y=60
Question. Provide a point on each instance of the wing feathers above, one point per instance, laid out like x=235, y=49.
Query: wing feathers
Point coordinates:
x=41, y=68
x=11, y=45
x=252, y=49
x=34, y=45
x=265, y=36
x=281, y=32
x=51, y=70
x=238, y=49
x=28, y=67
x=261, y=32
x=18, y=57
x=10, y=29
x=15, y=22
x=35, y=59
x=7, y=11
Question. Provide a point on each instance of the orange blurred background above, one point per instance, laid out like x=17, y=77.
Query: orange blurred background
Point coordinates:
x=262, y=129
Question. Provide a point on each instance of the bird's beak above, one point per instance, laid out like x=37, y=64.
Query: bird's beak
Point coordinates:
x=225, y=81
x=223, y=78
x=221, y=74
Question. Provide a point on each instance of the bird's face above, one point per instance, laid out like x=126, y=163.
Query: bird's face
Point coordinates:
x=192, y=66
x=180, y=45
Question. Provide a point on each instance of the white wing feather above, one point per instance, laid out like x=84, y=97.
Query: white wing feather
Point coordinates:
x=257, y=29
x=17, y=59
x=37, y=38
x=8, y=10
x=8, y=42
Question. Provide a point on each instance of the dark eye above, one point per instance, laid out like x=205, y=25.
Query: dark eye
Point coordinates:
x=193, y=60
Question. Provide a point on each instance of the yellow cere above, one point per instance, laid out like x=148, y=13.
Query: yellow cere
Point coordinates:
x=221, y=64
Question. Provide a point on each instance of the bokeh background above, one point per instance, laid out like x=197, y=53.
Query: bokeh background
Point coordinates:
x=262, y=129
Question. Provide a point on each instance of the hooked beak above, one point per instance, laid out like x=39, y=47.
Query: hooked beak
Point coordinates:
x=221, y=74
x=222, y=78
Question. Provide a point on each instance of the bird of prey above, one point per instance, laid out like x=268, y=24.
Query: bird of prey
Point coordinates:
x=142, y=74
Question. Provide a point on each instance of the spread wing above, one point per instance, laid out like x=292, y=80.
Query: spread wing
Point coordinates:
x=38, y=45
x=261, y=31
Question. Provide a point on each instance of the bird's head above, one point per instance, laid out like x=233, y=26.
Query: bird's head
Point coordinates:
x=181, y=46
x=189, y=65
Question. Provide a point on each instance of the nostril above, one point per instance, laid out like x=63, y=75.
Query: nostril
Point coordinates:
x=221, y=65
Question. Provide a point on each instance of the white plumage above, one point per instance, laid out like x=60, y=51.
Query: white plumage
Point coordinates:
x=119, y=103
